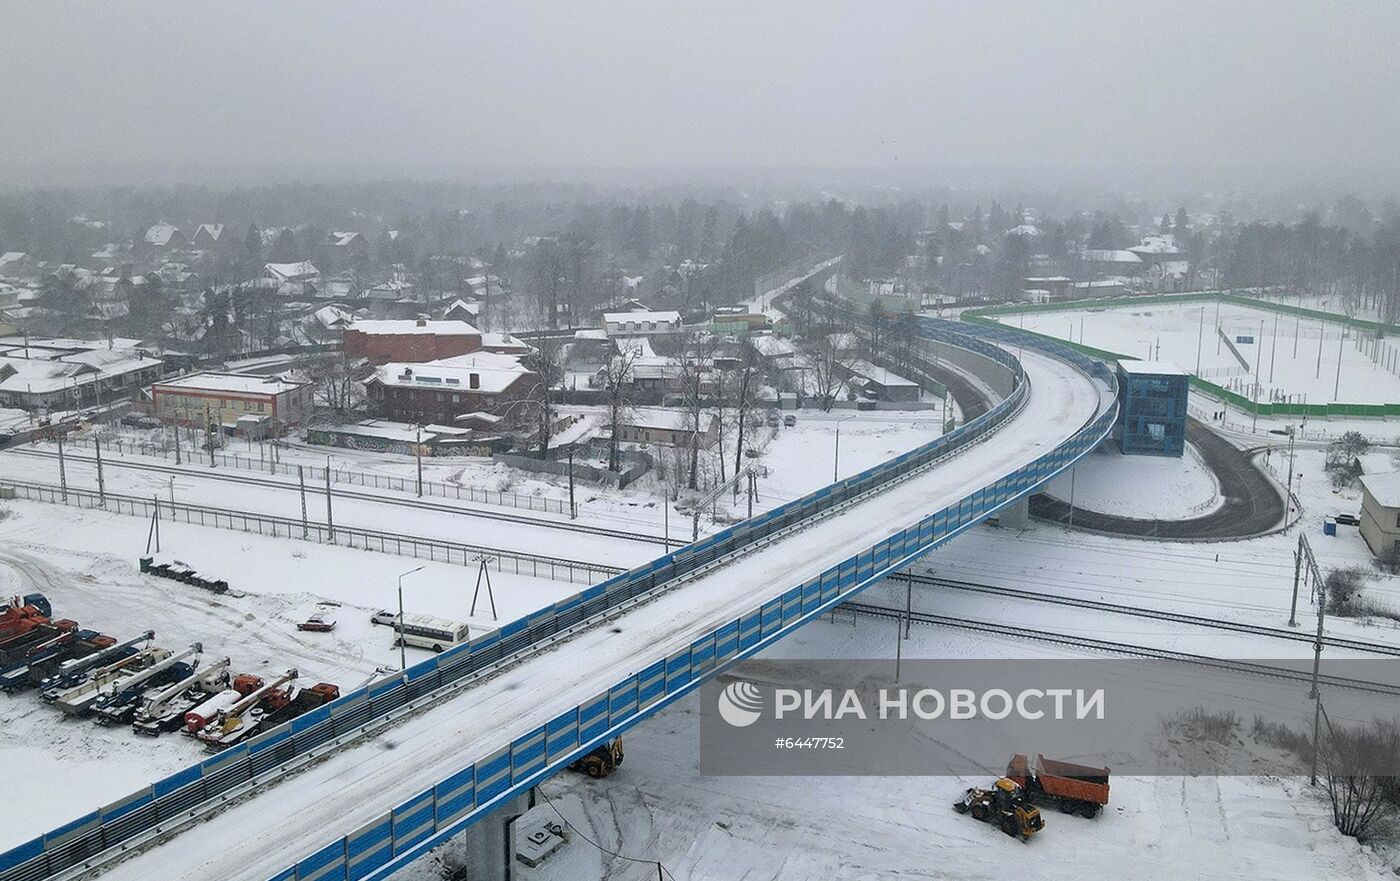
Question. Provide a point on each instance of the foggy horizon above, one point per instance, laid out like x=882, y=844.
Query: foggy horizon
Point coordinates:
x=948, y=94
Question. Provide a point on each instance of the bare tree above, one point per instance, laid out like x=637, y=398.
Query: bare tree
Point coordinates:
x=617, y=378
x=336, y=383
x=1356, y=761
x=696, y=362
x=830, y=367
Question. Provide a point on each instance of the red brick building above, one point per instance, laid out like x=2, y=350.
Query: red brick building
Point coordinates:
x=410, y=341
x=441, y=391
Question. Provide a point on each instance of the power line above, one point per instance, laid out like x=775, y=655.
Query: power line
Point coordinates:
x=612, y=853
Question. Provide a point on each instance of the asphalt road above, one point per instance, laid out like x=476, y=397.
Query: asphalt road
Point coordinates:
x=1253, y=505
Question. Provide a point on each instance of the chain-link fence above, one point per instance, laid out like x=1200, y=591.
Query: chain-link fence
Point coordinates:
x=123, y=446
x=418, y=547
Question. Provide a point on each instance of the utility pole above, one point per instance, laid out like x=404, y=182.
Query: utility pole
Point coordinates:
x=1321, y=337
x=418, y=452
x=403, y=658
x=1337, y=386
x=330, y=518
x=1273, y=350
x=1297, y=576
x=1297, y=329
x=209, y=434
x=1200, y=340
x=62, y=470
x=301, y=485
x=101, y=486
x=1219, y=334
x=573, y=509
x=1258, y=357
x=177, y=443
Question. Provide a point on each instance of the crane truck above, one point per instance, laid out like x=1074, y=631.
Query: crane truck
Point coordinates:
x=44, y=658
x=20, y=613
x=164, y=710
x=76, y=701
x=120, y=703
x=243, y=718
x=74, y=671
x=17, y=647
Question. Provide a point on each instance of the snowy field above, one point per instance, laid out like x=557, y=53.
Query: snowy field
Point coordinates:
x=659, y=807
x=1285, y=349
x=86, y=563
x=1140, y=486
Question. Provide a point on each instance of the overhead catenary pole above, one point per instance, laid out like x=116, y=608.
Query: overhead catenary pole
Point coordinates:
x=573, y=509
x=330, y=517
x=101, y=485
x=62, y=470
x=418, y=454
x=301, y=485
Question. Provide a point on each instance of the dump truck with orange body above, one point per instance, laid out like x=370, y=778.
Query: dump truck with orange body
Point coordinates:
x=1073, y=789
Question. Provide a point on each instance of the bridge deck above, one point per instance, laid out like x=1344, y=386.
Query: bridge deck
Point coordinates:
x=256, y=838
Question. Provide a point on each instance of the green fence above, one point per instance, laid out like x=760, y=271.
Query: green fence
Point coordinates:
x=983, y=316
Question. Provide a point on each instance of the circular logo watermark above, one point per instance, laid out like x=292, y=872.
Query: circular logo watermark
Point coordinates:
x=740, y=704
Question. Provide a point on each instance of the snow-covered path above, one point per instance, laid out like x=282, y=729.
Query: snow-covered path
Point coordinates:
x=357, y=784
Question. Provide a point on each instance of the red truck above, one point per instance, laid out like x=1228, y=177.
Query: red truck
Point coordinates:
x=1073, y=789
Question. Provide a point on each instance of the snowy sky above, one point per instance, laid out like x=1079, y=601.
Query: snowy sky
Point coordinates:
x=140, y=89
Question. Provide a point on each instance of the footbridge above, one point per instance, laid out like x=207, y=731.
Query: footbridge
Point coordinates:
x=361, y=787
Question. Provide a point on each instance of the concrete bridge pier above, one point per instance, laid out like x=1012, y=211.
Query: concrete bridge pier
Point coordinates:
x=1016, y=515
x=489, y=854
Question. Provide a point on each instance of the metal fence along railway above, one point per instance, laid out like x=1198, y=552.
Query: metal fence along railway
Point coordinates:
x=317, y=474
x=419, y=547
x=412, y=827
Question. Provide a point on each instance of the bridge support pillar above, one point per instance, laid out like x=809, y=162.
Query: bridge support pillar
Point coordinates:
x=489, y=854
x=1016, y=515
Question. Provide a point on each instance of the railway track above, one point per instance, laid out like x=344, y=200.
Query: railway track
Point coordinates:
x=420, y=504
x=1340, y=642
x=1122, y=648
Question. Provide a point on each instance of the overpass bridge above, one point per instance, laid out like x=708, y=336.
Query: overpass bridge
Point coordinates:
x=362, y=787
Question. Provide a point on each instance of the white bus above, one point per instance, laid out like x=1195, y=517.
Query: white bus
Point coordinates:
x=428, y=632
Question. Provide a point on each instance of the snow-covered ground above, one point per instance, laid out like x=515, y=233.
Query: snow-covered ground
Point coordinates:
x=659, y=807
x=86, y=563
x=1285, y=350
x=1140, y=486
x=350, y=786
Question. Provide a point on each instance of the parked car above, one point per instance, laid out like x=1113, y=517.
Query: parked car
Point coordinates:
x=317, y=624
x=1348, y=519
x=789, y=420
x=384, y=617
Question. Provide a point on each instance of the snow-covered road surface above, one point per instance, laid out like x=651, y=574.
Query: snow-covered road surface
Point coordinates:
x=256, y=838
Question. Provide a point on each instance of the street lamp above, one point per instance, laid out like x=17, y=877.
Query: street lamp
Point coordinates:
x=403, y=660
x=836, y=453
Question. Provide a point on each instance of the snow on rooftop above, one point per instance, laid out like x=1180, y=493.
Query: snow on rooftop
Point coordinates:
x=880, y=375
x=437, y=327
x=672, y=420
x=230, y=382
x=1150, y=368
x=1384, y=488
x=661, y=317
x=494, y=373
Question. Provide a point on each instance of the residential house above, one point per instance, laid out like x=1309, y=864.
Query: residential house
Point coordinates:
x=451, y=390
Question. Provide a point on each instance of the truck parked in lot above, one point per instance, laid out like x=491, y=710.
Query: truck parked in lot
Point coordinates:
x=19, y=647
x=244, y=717
x=1071, y=788
x=44, y=659
x=75, y=670
x=19, y=614
x=164, y=709
x=76, y=701
x=120, y=703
